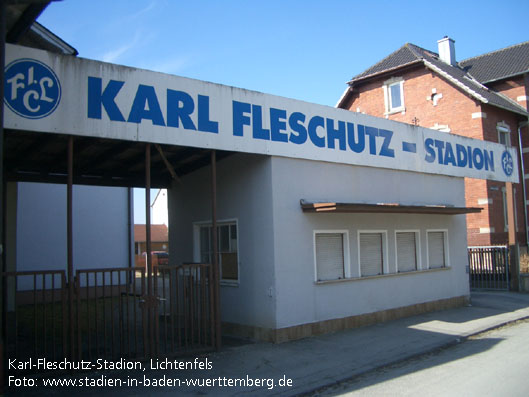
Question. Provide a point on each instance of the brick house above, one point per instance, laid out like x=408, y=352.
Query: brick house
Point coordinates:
x=484, y=97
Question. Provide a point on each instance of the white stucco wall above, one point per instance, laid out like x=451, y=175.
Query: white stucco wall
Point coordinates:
x=100, y=227
x=277, y=285
x=299, y=299
x=244, y=194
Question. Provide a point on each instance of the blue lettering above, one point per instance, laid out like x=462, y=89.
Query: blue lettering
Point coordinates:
x=477, y=158
x=372, y=132
x=204, y=123
x=440, y=146
x=97, y=98
x=385, y=150
x=180, y=105
x=257, y=123
x=239, y=117
x=278, y=123
x=334, y=134
x=469, y=152
x=449, y=155
x=295, y=122
x=430, y=151
x=146, y=106
x=489, y=160
x=461, y=156
x=357, y=147
x=314, y=123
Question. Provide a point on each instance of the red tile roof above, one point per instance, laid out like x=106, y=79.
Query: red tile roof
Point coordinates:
x=159, y=233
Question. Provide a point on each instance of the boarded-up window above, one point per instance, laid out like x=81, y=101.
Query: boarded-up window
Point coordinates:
x=329, y=256
x=436, y=250
x=371, y=254
x=406, y=252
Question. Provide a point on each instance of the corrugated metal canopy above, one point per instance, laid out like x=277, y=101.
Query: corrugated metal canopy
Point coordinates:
x=385, y=208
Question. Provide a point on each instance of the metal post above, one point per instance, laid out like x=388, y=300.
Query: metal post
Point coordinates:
x=150, y=299
x=522, y=168
x=216, y=270
x=69, y=232
x=2, y=255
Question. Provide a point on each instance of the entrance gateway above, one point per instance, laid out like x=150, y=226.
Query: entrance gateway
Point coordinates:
x=132, y=312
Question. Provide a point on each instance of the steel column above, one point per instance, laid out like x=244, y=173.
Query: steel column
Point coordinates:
x=69, y=232
x=216, y=270
x=2, y=255
x=149, y=301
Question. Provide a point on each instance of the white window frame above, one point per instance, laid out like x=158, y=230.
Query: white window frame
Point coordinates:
x=196, y=246
x=385, y=262
x=446, y=248
x=387, y=95
x=505, y=209
x=503, y=129
x=346, y=255
x=417, y=248
x=514, y=209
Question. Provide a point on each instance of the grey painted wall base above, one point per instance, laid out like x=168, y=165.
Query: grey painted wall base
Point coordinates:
x=339, y=324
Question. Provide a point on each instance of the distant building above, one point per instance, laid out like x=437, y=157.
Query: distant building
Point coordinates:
x=159, y=238
x=484, y=97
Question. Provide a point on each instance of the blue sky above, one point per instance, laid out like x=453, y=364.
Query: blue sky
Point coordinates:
x=305, y=50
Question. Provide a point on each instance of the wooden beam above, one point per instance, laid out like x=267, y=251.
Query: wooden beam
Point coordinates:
x=167, y=164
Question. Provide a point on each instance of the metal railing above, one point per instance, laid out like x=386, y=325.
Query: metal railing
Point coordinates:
x=489, y=267
x=35, y=314
x=114, y=312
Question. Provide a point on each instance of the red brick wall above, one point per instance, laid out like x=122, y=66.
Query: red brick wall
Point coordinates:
x=454, y=110
x=515, y=87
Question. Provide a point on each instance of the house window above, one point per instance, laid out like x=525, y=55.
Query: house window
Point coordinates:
x=514, y=204
x=407, y=251
x=394, y=95
x=437, y=249
x=504, y=133
x=371, y=253
x=505, y=210
x=330, y=253
x=227, y=247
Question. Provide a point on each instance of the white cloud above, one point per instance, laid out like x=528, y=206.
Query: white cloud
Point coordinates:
x=171, y=66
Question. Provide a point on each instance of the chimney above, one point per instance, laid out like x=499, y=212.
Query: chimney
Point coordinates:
x=447, y=50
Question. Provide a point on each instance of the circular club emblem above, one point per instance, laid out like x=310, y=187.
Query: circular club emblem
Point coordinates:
x=32, y=90
x=507, y=163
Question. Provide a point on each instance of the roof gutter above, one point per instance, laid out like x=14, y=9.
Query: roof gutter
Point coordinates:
x=23, y=24
x=470, y=91
x=384, y=71
x=349, y=89
x=506, y=77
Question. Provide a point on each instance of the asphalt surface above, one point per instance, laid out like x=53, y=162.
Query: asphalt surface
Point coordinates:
x=492, y=364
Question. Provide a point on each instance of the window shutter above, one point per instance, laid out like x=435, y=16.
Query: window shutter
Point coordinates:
x=371, y=254
x=436, y=249
x=406, y=252
x=329, y=256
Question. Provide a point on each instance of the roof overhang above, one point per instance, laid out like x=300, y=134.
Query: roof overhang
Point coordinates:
x=350, y=84
x=386, y=208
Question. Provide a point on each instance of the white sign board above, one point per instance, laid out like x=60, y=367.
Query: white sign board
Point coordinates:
x=63, y=94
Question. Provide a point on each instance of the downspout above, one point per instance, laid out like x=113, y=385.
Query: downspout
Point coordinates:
x=520, y=152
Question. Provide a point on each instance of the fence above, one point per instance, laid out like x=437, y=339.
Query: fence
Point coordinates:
x=115, y=313
x=489, y=267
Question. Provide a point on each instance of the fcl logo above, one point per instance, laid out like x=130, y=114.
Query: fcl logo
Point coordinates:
x=32, y=90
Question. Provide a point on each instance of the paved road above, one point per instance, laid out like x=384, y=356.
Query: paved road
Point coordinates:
x=492, y=364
